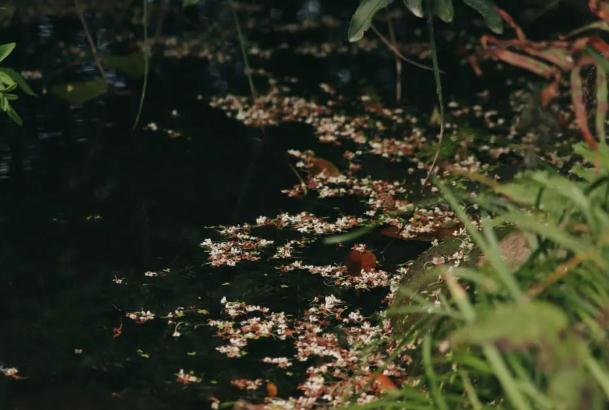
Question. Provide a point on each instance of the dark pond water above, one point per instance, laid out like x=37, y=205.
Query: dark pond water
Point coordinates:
x=86, y=202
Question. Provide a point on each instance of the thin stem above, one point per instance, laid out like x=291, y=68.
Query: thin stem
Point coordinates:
x=89, y=38
x=161, y=21
x=398, y=62
x=258, y=146
x=243, y=45
x=397, y=52
x=438, y=81
x=146, y=63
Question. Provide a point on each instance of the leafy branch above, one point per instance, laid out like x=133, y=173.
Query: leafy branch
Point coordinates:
x=10, y=80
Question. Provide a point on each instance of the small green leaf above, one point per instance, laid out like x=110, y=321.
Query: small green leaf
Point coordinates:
x=5, y=79
x=6, y=50
x=79, y=93
x=444, y=10
x=189, y=3
x=134, y=64
x=19, y=80
x=415, y=7
x=362, y=18
x=13, y=114
x=487, y=9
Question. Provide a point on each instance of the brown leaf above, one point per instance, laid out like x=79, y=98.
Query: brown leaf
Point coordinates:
x=117, y=331
x=510, y=21
x=391, y=232
x=528, y=63
x=473, y=63
x=323, y=165
x=549, y=93
x=384, y=383
x=271, y=389
x=357, y=261
x=600, y=8
x=581, y=114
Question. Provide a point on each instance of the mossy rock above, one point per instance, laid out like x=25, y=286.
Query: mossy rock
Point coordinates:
x=424, y=280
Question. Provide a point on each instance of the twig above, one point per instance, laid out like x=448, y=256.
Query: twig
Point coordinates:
x=560, y=272
x=303, y=184
x=146, y=63
x=85, y=27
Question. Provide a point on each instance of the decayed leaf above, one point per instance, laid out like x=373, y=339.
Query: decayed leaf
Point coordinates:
x=528, y=63
x=384, y=383
x=601, y=102
x=363, y=16
x=510, y=21
x=357, y=260
x=271, y=390
x=323, y=165
x=600, y=8
x=549, y=93
x=559, y=54
x=577, y=97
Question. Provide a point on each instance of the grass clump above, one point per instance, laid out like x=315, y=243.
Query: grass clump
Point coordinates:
x=485, y=332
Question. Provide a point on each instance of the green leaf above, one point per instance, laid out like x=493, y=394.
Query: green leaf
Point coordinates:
x=362, y=18
x=415, y=7
x=19, y=80
x=6, y=80
x=487, y=9
x=444, y=10
x=551, y=193
x=599, y=155
x=134, y=64
x=6, y=49
x=79, y=93
x=189, y=3
x=13, y=114
x=514, y=326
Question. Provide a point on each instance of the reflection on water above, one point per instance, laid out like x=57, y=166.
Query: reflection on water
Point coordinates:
x=100, y=222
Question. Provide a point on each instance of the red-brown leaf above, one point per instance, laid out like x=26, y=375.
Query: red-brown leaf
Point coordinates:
x=356, y=261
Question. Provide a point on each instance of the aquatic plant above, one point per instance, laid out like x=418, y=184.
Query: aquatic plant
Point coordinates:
x=443, y=9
